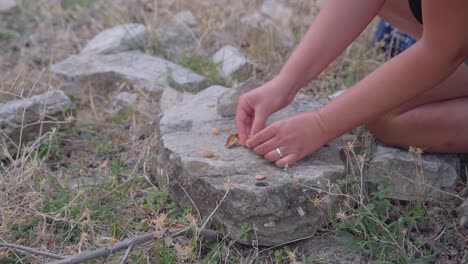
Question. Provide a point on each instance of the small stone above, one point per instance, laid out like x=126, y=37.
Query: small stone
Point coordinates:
x=117, y=39
x=124, y=99
x=215, y=131
x=269, y=224
x=259, y=177
x=51, y=106
x=227, y=103
x=463, y=213
x=226, y=129
x=211, y=105
x=207, y=154
x=230, y=60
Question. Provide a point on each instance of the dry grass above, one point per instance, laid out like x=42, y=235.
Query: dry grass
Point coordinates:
x=87, y=186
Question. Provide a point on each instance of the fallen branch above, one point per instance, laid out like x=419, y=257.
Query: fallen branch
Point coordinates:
x=131, y=242
x=31, y=250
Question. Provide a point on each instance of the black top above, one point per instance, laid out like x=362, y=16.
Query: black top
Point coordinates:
x=415, y=6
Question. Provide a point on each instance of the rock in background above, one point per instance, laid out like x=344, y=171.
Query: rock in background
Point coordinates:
x=230, y=61
x=119, y=38
x=227, y=102
x=25, y=117
x=150, y=73
x=273, y=16
x=278, y=209
x=179, y=37
x=433, y=177
x=7, y=6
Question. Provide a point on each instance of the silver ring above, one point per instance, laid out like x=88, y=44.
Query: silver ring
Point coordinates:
x=279, y=152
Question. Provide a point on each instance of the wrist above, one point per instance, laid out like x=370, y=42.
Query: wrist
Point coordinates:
x=288, y=86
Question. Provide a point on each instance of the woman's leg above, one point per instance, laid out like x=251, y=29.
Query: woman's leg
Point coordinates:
x=436, y=120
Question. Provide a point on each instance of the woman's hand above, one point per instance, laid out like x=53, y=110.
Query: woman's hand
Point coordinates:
x=295, y=137
x=254, y=107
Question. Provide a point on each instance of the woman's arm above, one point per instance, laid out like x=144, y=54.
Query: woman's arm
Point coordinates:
x=336, y=26
x=441, y=50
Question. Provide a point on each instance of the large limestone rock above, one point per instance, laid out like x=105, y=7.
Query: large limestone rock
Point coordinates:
x=230, y=61
x=117, y=39
x=276, y=209
x=150, y=73
x=179, y=37
x=7, y=6
x=22, y=117
x=433, y=177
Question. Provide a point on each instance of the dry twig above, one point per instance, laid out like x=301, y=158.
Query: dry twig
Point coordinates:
x=31, y=250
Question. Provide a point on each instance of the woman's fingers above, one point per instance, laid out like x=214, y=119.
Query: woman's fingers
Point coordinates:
x=287, y=160
x=273, y=155
x=261, y=137
x=266, y=146
x=244, y=119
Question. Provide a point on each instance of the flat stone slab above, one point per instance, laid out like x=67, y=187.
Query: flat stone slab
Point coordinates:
x=151, y=73
x=431, y=177
x=22, y=117
x=276, y=209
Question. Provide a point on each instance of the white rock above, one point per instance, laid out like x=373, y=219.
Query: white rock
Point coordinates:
x=229, y=60
x=7, y=6
x=150, y=73
x=116, y=39
x=124, y=99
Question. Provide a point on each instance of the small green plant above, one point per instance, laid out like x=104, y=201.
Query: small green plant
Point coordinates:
x=204, y=66
x=244, y=232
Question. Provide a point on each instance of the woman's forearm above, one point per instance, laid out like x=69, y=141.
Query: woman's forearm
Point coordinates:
x=402, y=78
x=336, y=26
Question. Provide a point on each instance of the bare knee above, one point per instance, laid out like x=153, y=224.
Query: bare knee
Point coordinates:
x=384, y=130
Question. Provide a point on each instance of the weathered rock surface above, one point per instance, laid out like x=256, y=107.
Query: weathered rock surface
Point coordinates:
x=273, y=16
x=150, y=73
x=276, y=208
x=227, y=102
x=171, y=97
x=179, y=38
x=124, y=99
x=117, y=39
x=328, y=249
x=230, y=61
x=7, y=5
x=433, y=177
x=463, y=213
x=52, y=105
